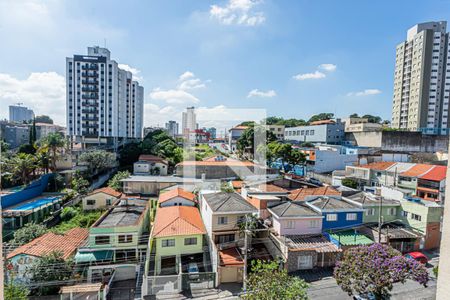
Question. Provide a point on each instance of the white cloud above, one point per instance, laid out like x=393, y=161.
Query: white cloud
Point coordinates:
x=174, y=96
x=188, y=81
x=366, y=92
x=258, y=93
x=186, y=75
x=44, y=92
x=328, y=67
x=238, y=12
x=133, y=71
x=315, y=75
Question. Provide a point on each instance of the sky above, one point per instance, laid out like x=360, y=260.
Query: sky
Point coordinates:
x=289, y=58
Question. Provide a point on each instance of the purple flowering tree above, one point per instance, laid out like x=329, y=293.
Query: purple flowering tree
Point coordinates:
x=374, y=269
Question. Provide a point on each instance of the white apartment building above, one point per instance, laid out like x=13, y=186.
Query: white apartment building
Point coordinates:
x=422, y=80
x=20, y=114
x=172, y=128
x=189, y=120
x=103, y=100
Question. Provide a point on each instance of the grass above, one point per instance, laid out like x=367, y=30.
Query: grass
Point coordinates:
x=73, y=217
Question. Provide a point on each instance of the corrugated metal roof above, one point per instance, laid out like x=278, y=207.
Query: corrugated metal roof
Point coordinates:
x=317, y=243
x=437, y=173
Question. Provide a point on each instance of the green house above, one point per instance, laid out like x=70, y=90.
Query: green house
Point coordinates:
x=390, y=209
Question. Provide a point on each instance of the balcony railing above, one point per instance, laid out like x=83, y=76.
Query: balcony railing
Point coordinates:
x=89, y=118
x=89, y=74
x=89, y=89
x=90, y=67
x=89, y=96
x=89, y=110
x=90, y=103
x=89, y=82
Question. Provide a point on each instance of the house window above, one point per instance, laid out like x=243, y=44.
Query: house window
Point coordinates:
x=331, y=217
x=405, y=214
x=416, y=217
x=351, y=217
x=392, y=211
x=190, y=241
x=222, y=220
x=289, y=225
x=370, y=212
x=102, y=240
x=125, y=238
x=313, y=223
x=90, y=202
x=108, y=201
x=225, y=238
x=168, y=243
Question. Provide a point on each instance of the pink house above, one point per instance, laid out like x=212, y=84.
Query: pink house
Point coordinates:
x=295, y=218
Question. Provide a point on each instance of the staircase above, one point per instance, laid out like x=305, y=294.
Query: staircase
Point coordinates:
x=139, y=281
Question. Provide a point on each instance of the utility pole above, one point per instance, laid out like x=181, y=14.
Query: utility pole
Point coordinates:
x=380, y=219
x=245, y=254
x=2, y=265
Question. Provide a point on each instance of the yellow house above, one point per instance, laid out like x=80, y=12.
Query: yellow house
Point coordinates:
x=101, y=199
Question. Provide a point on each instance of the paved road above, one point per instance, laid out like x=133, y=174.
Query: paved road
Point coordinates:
x=327, y=288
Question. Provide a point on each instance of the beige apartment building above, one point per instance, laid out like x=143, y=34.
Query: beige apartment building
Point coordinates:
x=422, y=80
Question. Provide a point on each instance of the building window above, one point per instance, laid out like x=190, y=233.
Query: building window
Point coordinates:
x=289, y=225
x=314, y=223
x=416, y=217
x=125, y=238
x=225, y=238
x=392, y=211
x=190, y=241
x=108, y=201
x=90, y=202
x=331, y=217
x=351, y=217
x=222, y=220
x=102, y=240
x=405, y=214
x=168, y=243
x=370, y=212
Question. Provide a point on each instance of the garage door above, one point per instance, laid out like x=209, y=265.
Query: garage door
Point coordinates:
x=305, y=262
x=228, y=274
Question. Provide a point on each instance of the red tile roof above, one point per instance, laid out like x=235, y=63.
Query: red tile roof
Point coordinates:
x=438, y=173
x=178, y=220
x=321, y=122
x=152, y=158
x=269, y=187
x=178, y=192
x=379, y=165
x=416, y=170
x=108, y=191
x=239, y=127
x=230, y=257
x=67, y=243
x=300, y=194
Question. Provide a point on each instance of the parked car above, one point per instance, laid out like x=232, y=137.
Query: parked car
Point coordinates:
x=368, y=296
x=193, y=271
x=417, y=256
x=315, y=181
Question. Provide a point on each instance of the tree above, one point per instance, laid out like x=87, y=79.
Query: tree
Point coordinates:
x=41, y=272
x=4, y=146
x=52, y=144
x=246, y=142
x=286, y=122
x=167, y=149
x=354, y=115
x=21, y=166
x=267, y=281
x=15, y=291
x=80, y=184
x=43, y=119
x=115, y=183
x=248, y=123
x=374, y=269
x=373, y=119
x=321, y=117
x=129, y=154
x=98, y=160
x=351, y=183
x=32, y=138
x=285, y=153
x=27, y=149
x=28, y=233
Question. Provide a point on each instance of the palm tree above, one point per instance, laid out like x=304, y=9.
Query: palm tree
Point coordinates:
x=52, y=144
x=22, y=165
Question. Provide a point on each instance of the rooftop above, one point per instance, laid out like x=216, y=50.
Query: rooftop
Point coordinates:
x=228, y=202
x=152, y=158
x=230, y=257
x=178, y=220
x=126, y=213
x=239, y=127
x=108, y=191
x=67, y=243
x=371, y=199
x=82, y=288
x=318, y=243
x=301, y=193
x=330, y=203
x=437, y=173
x=226, y=162
x=417, y=170
x=160, y=179
x=378, y=166
x=351, y=238
x=293, y=209
x=177, y=192
x=322, y=122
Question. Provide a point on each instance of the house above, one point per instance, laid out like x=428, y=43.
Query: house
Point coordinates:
x=150, y=165
x=117, y=240
x=321, y=132
x=301, y=193
x=408, y=179
x=295, y=218
x=176, y=197
x=233, y=135
x=361, y=125
x=101, y=198
x=326, y=158
x=337, y=213
x=277, y=130
x=177, y=235
x=19, y=260
x=431, y=185
x=152, y=185
x=390, y=209
x=262, y=203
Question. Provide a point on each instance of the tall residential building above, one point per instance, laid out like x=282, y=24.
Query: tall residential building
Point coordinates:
x=422, y=80
x=20, y=114
x=103, y=100
x=172, y=128
x=189, y=120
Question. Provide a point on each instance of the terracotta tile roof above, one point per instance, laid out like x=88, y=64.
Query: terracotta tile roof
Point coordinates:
x=230, y=257
x=268, y=187
x=379, y=165
x=108, y=191
x=67, y=243
x=239, y=127
x=177, y=220
x=178, y=192
x=417, y=170
x=237, y=184
x=152, y=158
x=321, y=122
x=300, y=194
x=437, y=173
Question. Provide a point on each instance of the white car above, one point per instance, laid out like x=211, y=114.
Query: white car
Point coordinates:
x=193, y=270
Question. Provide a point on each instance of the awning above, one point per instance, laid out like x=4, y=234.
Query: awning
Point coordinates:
x=83, y=257
x=424, y=189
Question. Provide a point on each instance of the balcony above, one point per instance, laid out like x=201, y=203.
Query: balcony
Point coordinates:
x=89, y=89
x=89, y=110
x=93, y=119
x=90, y=126
x=90, y=103
x=90, y=67
x=93, y=82
x=89, y=74
x=90, y=96
x=90, y=134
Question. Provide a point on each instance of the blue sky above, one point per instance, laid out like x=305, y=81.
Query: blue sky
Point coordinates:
x=292, y=58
